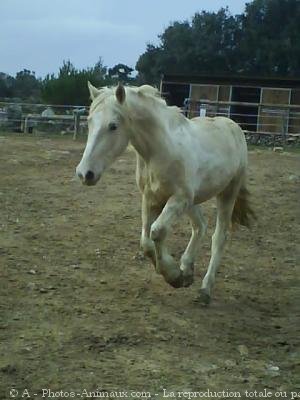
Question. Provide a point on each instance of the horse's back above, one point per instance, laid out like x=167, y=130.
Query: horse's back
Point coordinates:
x=221, y=134
x=218, y=124
x=218, y=154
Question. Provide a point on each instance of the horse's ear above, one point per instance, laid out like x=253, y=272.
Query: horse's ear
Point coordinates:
x=120, y=93
x=93, y=91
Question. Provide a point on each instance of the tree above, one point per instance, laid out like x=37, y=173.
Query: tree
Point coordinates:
x=70, y=86
x=215, y=42
x=270, y=42
x=121, y=72
x=6, y=85
x=203, y=45
x=26, y=85
x=149, y=65
x=264, y=40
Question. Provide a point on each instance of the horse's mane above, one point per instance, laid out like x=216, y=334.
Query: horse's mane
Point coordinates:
x=104, y=93
x=146, y=93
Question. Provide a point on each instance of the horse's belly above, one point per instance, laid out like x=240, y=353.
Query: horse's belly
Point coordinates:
x=211, y=184
x=206, y=193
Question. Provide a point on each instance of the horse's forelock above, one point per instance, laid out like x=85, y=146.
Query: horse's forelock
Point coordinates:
x=104, y=93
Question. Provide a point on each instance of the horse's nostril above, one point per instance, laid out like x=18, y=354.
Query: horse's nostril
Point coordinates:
x=89, y=176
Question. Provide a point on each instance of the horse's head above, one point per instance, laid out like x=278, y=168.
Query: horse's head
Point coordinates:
x=107, y=137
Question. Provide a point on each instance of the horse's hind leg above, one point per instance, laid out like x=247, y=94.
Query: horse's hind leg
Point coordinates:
x=149, y=214
x=225, y=205
x=199, y=226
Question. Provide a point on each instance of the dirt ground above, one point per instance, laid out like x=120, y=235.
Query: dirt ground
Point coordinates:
x=82, y=310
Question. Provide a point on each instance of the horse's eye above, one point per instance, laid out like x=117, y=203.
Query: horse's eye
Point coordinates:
x=112, y=126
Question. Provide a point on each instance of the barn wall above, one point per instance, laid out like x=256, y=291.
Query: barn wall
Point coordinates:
x=274, y=119
x=294, y=120
x=224, y=95
x=270, y=119
x=203, y=92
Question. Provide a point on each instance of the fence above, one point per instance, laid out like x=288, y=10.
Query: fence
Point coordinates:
x=269, y=124
x=43, y=118
x=262, y=123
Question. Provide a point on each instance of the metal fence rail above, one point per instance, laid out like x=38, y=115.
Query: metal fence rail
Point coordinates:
x=261, y=122
x=36, y=117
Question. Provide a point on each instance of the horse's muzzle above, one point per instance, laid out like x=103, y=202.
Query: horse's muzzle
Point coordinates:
x=89, y=179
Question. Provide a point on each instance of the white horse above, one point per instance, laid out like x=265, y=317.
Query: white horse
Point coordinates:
x=180, y=164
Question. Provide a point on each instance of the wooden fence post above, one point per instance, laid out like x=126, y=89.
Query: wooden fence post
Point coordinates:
x=76, y=124
x=77, y=113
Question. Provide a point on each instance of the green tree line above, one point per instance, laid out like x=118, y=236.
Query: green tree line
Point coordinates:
x=263, y=41
x=68, y=87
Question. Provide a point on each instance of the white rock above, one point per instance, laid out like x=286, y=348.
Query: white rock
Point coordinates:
x=273, y=370
x=31, y=286
x=243, y=350
x=294, y=178
x=32, y=272
x=230, y=363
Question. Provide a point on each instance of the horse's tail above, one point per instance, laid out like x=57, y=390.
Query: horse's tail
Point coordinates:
x=243, y=213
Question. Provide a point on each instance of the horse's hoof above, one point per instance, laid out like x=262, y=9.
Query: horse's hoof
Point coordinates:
x=178, y=282
x=182, y=280
x=203, y=297
x=188, y=274
x=187, y=280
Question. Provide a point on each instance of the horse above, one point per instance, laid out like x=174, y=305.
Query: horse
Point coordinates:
x=181, y=163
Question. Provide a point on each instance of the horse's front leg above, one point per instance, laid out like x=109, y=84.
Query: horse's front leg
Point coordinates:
x=199, y=226
x=165, y=264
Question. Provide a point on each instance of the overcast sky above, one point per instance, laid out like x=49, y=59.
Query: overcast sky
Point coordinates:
x=40, y=34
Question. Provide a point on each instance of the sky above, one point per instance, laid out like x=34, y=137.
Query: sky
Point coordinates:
x=39, y=34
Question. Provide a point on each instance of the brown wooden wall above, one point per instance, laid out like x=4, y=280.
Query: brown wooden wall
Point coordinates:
x=274, y=119
x=203, y=92
x=294, y=120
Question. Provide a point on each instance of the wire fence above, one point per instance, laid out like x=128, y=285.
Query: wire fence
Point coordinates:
x=269, y=124
x=37, y=118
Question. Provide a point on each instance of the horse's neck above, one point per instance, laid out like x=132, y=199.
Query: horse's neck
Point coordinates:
x=150, y=137
x=142, y=140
